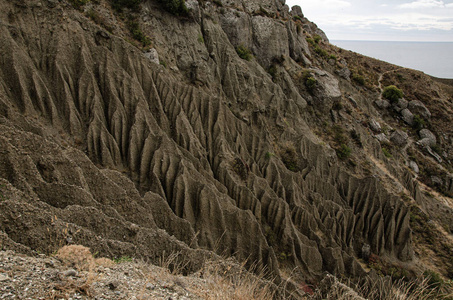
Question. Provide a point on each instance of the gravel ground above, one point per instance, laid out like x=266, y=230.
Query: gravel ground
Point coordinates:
x=44, y=277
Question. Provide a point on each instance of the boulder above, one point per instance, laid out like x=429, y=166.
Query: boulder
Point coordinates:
x=414, y=167
x=400, y=105
x=399, y=138
x=427, y=138
x=374, y=125
x=296, y=11
x=381, y=137
x=344, y=73
x=418, y=108
x=152, y=55
x=327, y=90
x=408, y=117
x=382, y=104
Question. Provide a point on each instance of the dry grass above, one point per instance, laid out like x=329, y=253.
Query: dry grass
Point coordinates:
x=379, y=289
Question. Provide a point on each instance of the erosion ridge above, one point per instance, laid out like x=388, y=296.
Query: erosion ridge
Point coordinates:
x=206, y=152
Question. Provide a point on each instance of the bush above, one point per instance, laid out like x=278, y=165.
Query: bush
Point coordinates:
x=244, y=52
x=289, y=157
x=317, y=38
x=392, y=93
x=310, y=41
x=343, y=152
x=359, y=79
x=323, y=53
x=310, y=83
x=78, y=3
x=175, y=7
x=137, y=33
x=419, y=123
x=120, y=4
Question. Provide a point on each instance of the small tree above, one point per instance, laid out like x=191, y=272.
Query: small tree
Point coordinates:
x=176, y=7
x=392, y=93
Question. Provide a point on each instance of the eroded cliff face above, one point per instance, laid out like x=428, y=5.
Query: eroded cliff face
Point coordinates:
x=205, y=152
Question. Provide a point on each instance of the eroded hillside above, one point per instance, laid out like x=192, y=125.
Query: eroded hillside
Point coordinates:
x=234, y=128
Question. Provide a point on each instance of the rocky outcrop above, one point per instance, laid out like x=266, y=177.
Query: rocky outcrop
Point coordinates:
x=101, y=145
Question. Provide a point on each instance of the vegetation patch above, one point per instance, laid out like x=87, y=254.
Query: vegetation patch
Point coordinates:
x=419, y=122
x=119, y=5
x=175, y=7
x=289, y=157
x=240, y=168
x=244, y=52
x=392, y=93
x=137, y=33
x=358, y=79
x=78, y=4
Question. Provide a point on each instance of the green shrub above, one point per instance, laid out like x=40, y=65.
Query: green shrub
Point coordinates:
x=119, y=5
x=310, y=41
x=419, y=123
x=317, y=38
x=122, y=259
x=137, y=33
x=392, y=93
x=343, y=152
x=310, y=84
x=244, y=52
x=272, y=70
x=78, y=3
x=200, y=39
x=289, y=157
x=175, y=7
x=359, y=79
x=333, y=56
x=386, y=152
x=297, y=18
x=323, y=53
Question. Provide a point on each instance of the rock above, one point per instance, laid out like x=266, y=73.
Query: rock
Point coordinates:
x=152, y=55
x=399, y=138
x=408, y=117
x=382, y=104
x=113, y=285
x=413, y=165
x=150, y=286
x=382, y=138
x=353, y=102
x=400, y=105
x=3, y=277
x=433, y=154
x=344, y=73
x=437, y=181
x=327, y=90
x=427, y=138
x=418, y=108
x=374, y=125
x=70, y=272
x=296, y=10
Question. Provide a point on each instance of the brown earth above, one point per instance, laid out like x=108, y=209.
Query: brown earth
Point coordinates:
x=205, y=153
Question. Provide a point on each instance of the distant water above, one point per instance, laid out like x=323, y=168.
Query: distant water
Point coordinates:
x=432, y=58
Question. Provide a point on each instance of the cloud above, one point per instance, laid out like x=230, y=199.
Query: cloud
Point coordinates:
x=424, y=4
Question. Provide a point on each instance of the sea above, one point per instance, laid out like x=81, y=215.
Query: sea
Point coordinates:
x=432, y=58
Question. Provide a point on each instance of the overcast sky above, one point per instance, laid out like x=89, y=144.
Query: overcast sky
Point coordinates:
x=381, y=20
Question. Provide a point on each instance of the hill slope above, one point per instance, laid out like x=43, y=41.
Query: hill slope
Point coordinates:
x=181, y=142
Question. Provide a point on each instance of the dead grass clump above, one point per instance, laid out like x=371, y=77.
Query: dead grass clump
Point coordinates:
x=79, y=257
x=289, y=156
x=382, y=288
x=232, y=281
x=76, y=256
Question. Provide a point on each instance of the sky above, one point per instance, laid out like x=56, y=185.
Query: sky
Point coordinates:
x=381, y=20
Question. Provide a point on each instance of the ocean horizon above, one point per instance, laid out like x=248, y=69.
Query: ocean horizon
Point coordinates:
x=432, y=58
